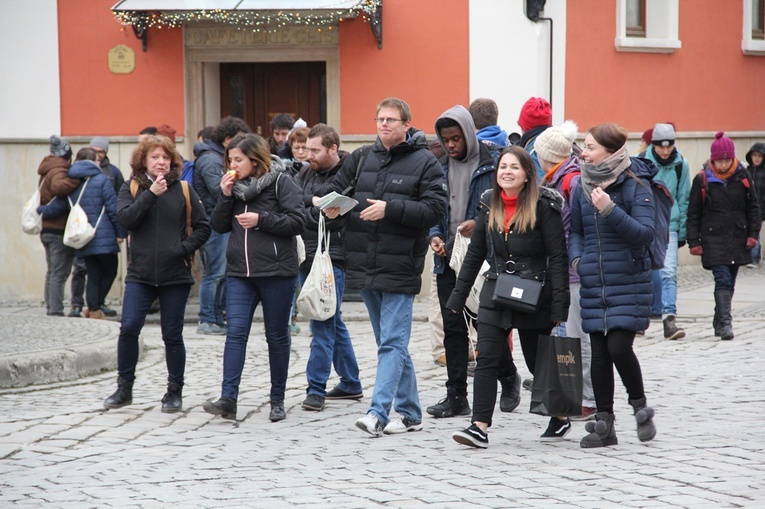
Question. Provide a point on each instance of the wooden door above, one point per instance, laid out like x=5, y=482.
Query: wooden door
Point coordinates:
x=256, y=92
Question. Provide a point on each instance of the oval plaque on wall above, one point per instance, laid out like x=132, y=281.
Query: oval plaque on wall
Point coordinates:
x=121, y=59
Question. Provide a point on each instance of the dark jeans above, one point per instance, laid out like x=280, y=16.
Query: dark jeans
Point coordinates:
x=456, y=340
x=614, y=350
x=79, y=271
x=495, y=361
x=102, y=269
x=242, y=298
x=725, y=277
x=135, y=305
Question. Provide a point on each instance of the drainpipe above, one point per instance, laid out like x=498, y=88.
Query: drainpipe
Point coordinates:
x=533, y=9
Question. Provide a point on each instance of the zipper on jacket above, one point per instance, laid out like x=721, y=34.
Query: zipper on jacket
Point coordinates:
x=246, y=254
x=600, y=267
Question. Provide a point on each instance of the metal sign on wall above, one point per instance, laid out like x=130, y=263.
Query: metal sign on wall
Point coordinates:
x=121, y=59
x=217, y=36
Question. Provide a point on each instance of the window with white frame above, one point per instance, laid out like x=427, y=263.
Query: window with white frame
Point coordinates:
x=753, y=41
x=647, y=25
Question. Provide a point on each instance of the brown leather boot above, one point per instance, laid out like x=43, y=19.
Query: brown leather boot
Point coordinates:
x=96, y=315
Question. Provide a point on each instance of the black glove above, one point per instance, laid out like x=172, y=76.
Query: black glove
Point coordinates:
x=680, y=243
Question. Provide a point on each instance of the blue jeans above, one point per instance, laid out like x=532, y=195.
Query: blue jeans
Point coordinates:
x=243, y=296
x=331, y=345
x=725, y=277
x=669, y=279
x=213, y=287
x=391, y=317
x=135, y=305
x=656, y=303
x=58, y=259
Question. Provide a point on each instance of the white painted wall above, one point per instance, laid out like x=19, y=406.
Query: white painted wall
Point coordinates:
x=30, y=99
x=509, y=57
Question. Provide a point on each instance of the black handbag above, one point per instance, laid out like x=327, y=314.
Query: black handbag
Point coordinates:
x=518, y=293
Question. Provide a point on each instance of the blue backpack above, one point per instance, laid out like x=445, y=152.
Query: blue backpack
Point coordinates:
x=662, y=211
x=187, y=172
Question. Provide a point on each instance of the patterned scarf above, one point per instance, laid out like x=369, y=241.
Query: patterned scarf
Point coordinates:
x=609, y=169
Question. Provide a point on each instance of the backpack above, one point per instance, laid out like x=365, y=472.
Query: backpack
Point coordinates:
x=662, y=211
x=187, y=172
x=78, y=231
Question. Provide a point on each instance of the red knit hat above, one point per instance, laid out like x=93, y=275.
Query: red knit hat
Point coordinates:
x=647, y=134
x=722, y=148
x=166, y=130
x=534, y=113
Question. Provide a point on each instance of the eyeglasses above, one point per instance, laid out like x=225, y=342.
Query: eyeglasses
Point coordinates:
x=387, y=120
x=299, y=148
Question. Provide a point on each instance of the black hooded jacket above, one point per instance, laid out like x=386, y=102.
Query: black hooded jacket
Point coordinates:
x=757, y=174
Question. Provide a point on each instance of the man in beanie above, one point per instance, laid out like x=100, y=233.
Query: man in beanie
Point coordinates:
x=723, y=225
x=535, y=117
x=674, y=172
x=556, y=153
x=54, y=183
x=469, y=170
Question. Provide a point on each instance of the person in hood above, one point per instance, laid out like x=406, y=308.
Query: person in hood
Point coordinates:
x=261, y=207
x=56, y=185
x=401, y=193
x=724, y=221
x=469, y=170
x=755, y=159
x=612, y=224
x=153, y=208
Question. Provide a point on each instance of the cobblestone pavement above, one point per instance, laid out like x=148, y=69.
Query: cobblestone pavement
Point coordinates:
x=59, y=448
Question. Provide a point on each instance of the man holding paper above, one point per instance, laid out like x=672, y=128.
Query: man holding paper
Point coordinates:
x=331, y=342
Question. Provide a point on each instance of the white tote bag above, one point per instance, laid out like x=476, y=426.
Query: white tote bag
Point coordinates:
x=473, y=299
x=31, y=221
x=78, y=231
x=318, y=299
x=459, y=250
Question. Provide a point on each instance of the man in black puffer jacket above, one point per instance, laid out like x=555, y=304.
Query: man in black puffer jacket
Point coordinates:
x=401, y=193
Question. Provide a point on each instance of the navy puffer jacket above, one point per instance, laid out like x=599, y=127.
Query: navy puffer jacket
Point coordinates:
x=614, y=265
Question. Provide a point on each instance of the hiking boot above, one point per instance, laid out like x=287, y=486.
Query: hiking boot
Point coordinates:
x=472, y=437
x=403, y=425
x=123, y=396
x=338, y=393
x=313, y=402
x=671, y=330
x=108, y=311
x=453, y=404
x=371, y=424
x=646, y=430
x=172, y=401
x=277, y=411
x=602, y=432
x=76, y=312
x=225, y=407
x=528, y=383
x=211, y=329
x=556, y=430
x=511, y=393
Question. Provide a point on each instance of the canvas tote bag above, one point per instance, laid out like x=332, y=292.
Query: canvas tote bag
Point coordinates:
x=318, y=299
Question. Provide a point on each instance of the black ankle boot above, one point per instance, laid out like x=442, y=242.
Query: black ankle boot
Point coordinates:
x=123, y=396
x=225, y=407
x=644, y=416
x=277, y=411
x=601, y=433
x=511, y=393
x=453, y=404
x=173, y=400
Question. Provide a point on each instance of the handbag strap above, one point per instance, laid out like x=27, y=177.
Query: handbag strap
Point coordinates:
x=323, y=241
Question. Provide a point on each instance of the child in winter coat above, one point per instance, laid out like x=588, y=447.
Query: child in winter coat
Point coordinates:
x=723, y=224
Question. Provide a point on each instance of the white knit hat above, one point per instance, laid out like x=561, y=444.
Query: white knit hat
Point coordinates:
x=554, y=144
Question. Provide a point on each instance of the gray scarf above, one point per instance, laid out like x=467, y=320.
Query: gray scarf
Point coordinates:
x=610, y=168
x=247, y=189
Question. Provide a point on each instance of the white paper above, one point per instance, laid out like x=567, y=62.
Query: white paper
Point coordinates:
x=333, y=199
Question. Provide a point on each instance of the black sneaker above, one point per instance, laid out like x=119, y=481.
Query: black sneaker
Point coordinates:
x=313, y=402
x=452, y=405
x=337, y=393
x=108, y=311
x=472, y=436
x=556, y=430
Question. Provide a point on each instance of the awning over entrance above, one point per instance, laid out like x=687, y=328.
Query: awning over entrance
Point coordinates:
x=255, y=15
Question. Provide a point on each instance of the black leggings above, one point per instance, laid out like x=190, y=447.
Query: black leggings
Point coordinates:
x=609, y=350
x=102, y=269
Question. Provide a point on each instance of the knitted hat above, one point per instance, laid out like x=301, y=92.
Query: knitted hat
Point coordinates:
x=59, y=147
x=663, y=135
x=554, y=144
x=722, y=148
x=534, y=113
x=100, y=142
x=647, y=136
x=166, y=130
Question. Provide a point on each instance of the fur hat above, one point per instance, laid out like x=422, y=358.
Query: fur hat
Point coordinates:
x=722, y=148
x=166, y=130
x=554, y=144
x=100, y=142
x=534, y=113
x=59, y=147
x=663, y=135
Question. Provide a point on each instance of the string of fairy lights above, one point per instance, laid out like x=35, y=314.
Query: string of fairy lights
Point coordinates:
x=256, y=21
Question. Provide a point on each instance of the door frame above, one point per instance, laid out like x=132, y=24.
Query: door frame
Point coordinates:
x=211, y=44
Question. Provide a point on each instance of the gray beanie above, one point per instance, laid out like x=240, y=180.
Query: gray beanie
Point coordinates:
x=663, y=135
x=59, y=147
x=100, y=142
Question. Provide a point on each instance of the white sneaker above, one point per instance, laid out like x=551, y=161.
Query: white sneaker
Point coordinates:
x=403, y=425
x=370, y=424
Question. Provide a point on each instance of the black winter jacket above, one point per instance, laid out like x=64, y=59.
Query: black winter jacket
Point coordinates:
x=160, y=249
x=389, y=255
x=269, y=249
x=541, y=252
x=724, y=220
x=208, y=170
x=757, y=174
x=316, y=183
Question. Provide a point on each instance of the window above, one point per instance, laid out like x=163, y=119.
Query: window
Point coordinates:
x=647, y=25
x=753, y=42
